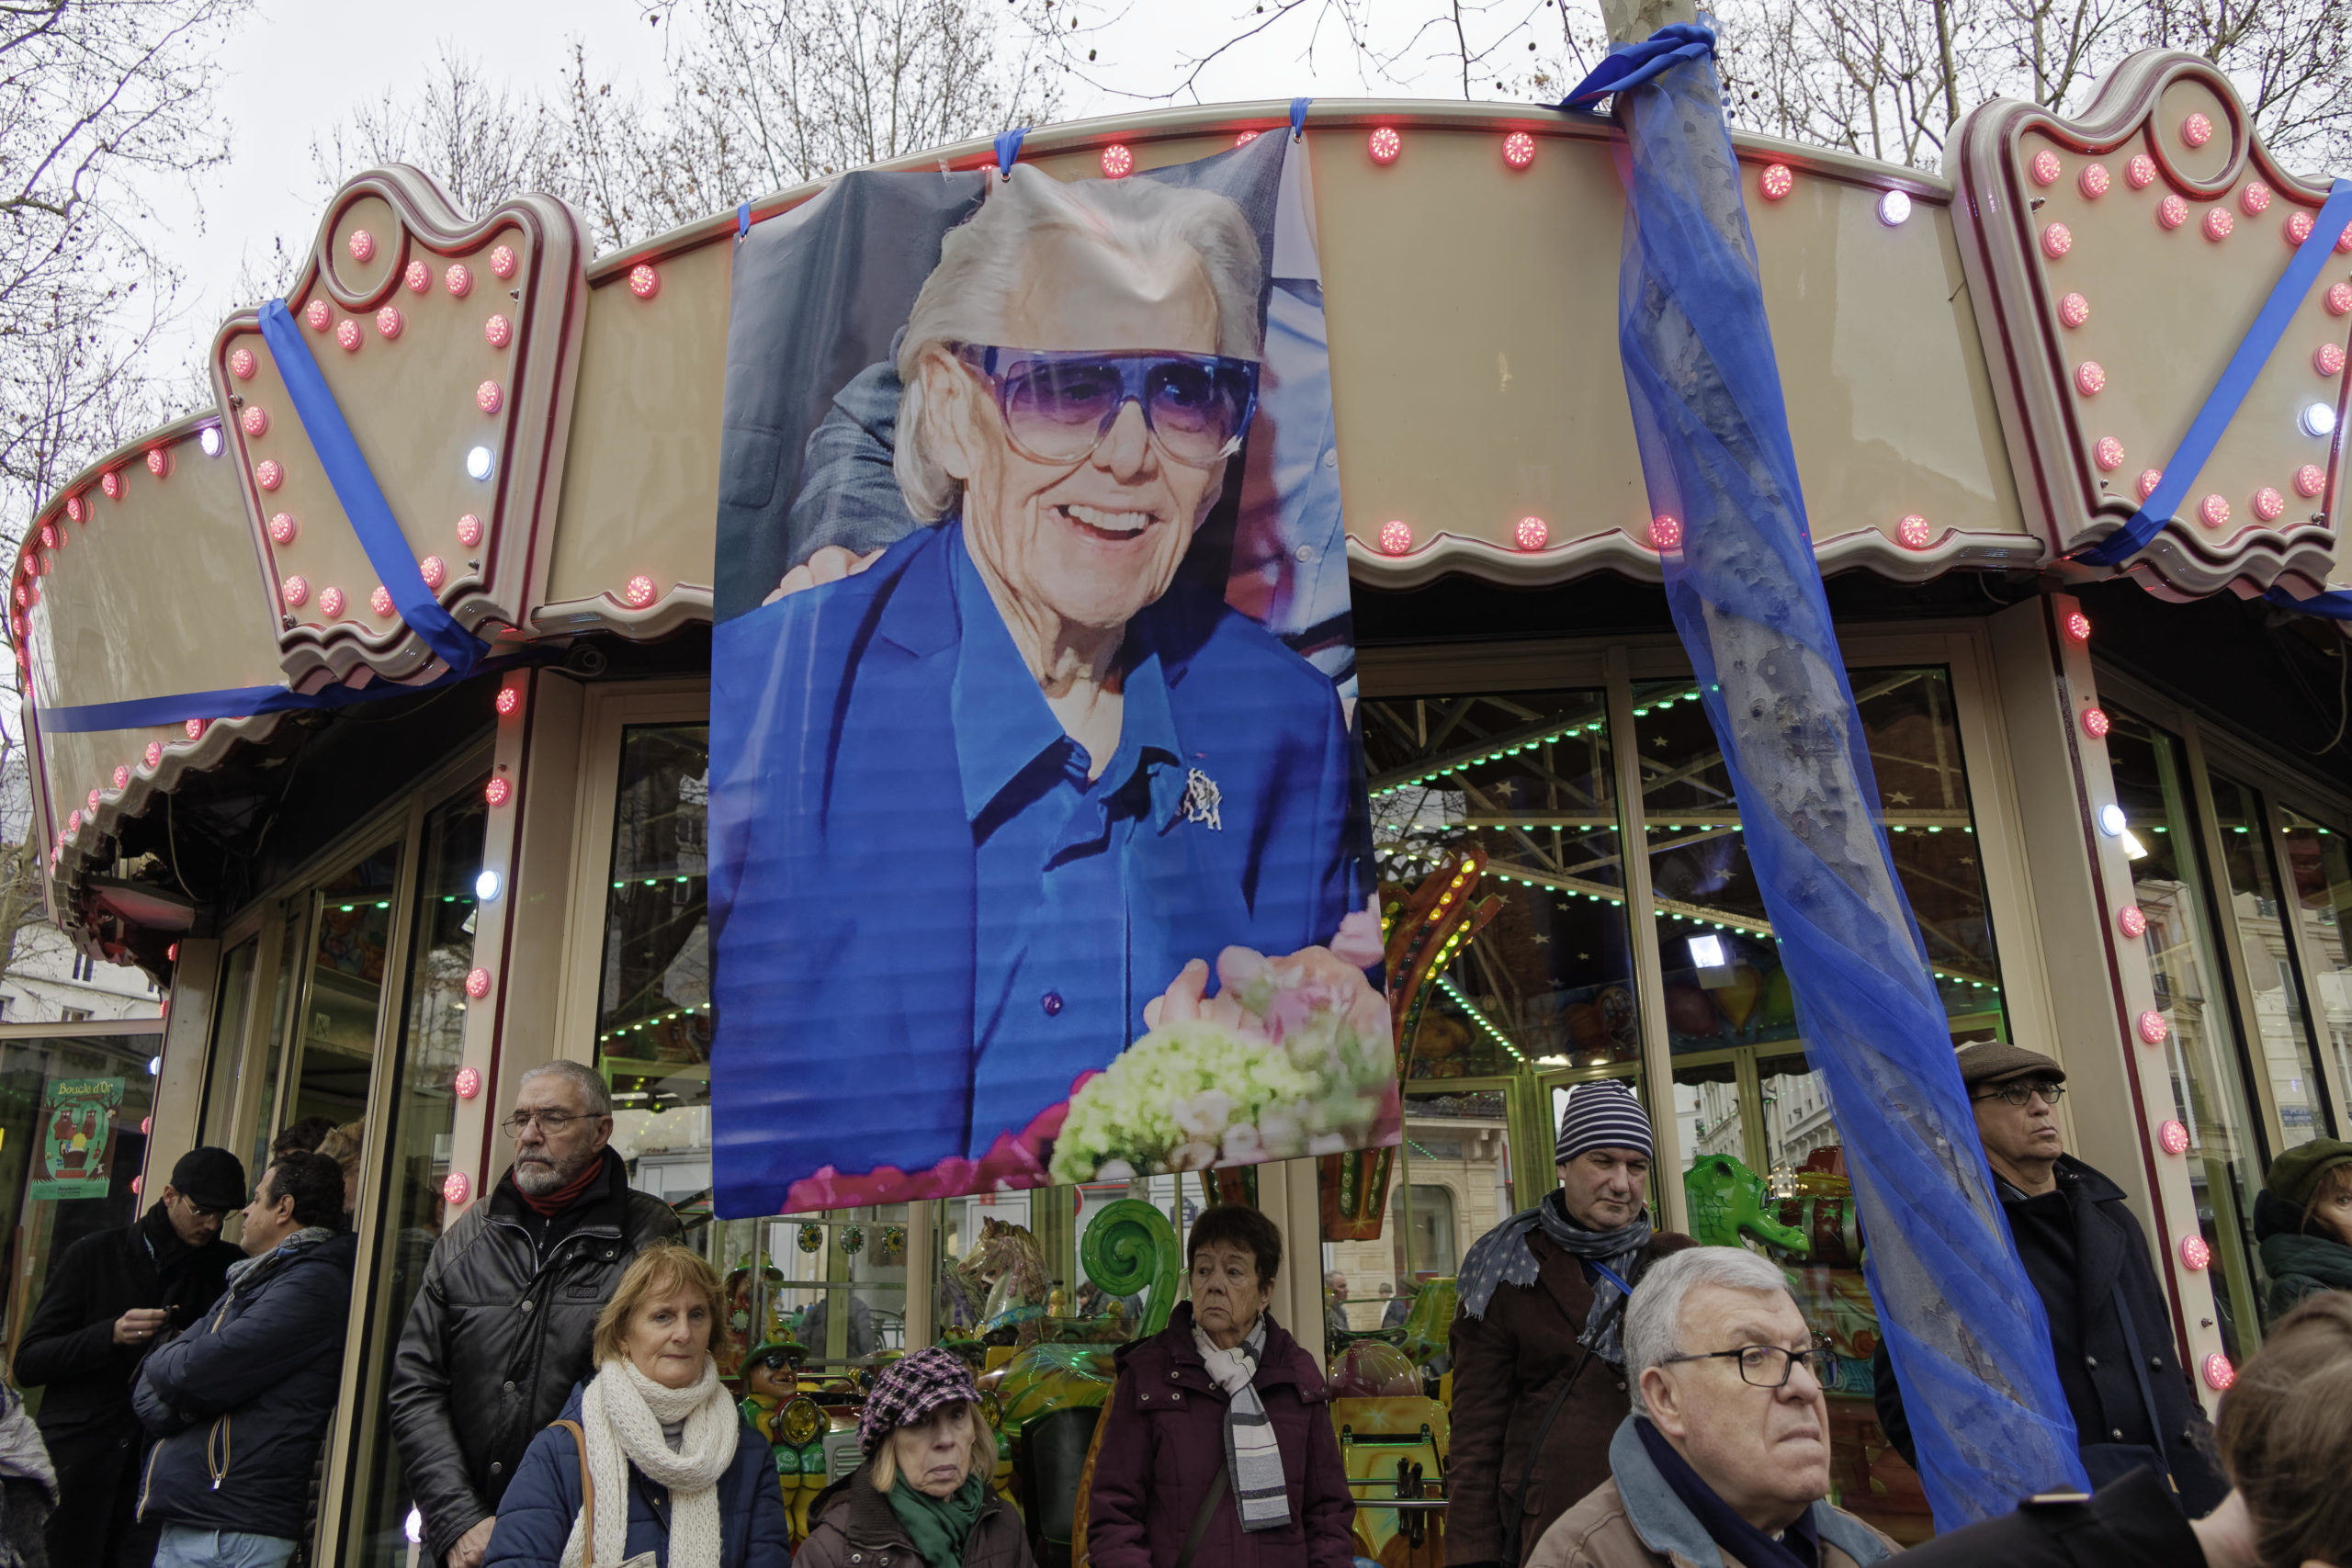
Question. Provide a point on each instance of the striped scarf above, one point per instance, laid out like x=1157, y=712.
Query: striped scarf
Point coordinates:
x=1253, y=1460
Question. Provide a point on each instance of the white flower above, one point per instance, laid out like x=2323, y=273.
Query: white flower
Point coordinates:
x=1244, y=1146
x=1204, y=1116
x=1114, y=1171
x=1191, y=1156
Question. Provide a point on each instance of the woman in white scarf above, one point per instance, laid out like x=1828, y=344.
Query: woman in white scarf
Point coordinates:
x=673, y=1478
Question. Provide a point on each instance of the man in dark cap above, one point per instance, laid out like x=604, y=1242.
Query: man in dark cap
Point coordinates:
x=1539, y=1355
x=110, y=1299
x=2131, y=1399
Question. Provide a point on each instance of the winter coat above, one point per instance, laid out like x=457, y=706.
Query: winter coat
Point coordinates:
x=1635, y=1520
x=68, y=1350
x=2130, y=1523
x=542, y=1500
x=1163, y=1444
x=240, y=1403
x=2299, y=1264
x=2103, y=1388
x=1508, y=1367
x=499, y=1334
x=853, y=1526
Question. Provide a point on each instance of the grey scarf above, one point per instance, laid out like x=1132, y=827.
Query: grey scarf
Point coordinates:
x=1502, y=1256
x=1252, y=1458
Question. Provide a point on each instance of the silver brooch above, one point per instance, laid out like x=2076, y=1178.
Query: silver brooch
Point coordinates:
x=1202, y=798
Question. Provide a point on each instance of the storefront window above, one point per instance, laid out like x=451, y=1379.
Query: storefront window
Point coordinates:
x=653, y=1018
x=2208, y=1093
x=2289, y=1055
x=77, y=1109
x=415, y=1148
x=2319, y=859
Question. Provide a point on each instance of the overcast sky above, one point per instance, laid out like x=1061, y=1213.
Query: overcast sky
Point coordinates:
x=297, y=68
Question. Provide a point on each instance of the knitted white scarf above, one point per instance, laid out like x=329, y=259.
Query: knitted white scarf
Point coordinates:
x=622, y=1415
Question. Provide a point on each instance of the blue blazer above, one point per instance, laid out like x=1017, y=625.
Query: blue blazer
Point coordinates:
x=843, y=869
x=534, y=1516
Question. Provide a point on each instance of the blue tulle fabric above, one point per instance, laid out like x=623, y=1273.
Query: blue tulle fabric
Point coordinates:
x=1969, y=1342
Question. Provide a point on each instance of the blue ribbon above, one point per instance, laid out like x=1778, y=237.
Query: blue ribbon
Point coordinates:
x=1298, y=117
x=2335, y=604
x=245, y=701
x=742, y=219
x=363, y=501
x=2221, y=403
x=1008, y=148
x=1630, y=65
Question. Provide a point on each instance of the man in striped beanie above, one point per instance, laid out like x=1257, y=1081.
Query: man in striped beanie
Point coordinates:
x=1541, y=1301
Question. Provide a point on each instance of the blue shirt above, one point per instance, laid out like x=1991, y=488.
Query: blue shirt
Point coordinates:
x=1061, y=984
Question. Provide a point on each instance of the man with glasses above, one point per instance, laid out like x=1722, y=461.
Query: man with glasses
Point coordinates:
x=1725, y=1458
x=111, y=1299
x=502, y=1325
x=2130, y=1395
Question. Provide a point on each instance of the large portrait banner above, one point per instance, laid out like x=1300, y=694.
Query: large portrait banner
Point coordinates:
x=1039, y=843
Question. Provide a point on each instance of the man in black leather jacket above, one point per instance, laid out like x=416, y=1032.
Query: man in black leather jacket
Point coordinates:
x=501, y=1328
x=111, y=1299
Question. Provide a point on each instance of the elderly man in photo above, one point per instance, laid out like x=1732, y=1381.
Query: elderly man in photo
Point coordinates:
x=1540, y=1378
x=503, y=1323
x=1726, y=1457
x=1029, y=784
x=2125, y=1384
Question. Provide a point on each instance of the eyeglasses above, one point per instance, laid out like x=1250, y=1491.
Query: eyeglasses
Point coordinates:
x=2021, y=1094
x=551, y=1122
x=201, y=1213
x=1058, y=404
x=1768, y=1366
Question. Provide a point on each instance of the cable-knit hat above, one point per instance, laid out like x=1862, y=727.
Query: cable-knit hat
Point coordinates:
x=910, y=1389
x=1603, y=1114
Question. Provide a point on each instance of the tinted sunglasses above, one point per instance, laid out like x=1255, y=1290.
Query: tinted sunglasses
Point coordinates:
x=1058, y=405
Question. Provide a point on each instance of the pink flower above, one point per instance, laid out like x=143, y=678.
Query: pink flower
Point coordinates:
x=1358, y=943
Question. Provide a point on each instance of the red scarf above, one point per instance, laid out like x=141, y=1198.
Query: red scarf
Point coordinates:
x=563, y=1197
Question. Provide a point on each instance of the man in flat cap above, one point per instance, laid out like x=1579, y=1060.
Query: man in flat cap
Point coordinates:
x=2131, y=1399
x=1540, y=1384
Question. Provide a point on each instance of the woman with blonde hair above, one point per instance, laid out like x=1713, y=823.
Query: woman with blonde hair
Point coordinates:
x=921, y=1498
x=651, y=1459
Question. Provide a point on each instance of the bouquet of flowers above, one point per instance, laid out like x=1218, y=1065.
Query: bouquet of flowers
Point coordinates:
x=1293, y=1056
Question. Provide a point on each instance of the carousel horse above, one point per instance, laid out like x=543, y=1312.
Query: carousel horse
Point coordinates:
x=1000, y=1286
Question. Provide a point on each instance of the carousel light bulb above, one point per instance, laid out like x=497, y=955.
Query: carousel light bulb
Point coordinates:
x=1384, y=145
x=2172, y=1138
x=486, y=887
x=2195, y=1255
x=1118, y=160
x=478, y=463
x=1532, y=534
x=2154, y=1029
x=467, y=1083
x=2318, y=419
x=1894, y=208
x=2132, y=921
x=2079, y=627
x=1776, y=181
x=1518, y=149
x=1395, y=536
x=2111, y=820
x=2219, y=1373
x=209, y=440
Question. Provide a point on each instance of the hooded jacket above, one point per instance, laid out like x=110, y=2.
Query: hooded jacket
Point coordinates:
x=1163, y=1444
x=500, y=1333
x=241, y=1402
x=2299, y=1263
x=535, y=1516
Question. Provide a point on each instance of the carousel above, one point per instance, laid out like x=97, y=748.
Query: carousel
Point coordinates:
x=400, y=788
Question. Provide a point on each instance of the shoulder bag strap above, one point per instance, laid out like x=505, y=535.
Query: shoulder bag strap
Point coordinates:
x=1200, y=1531
x=2147, y=1393
x=1515, y=1520
x=587, y=1495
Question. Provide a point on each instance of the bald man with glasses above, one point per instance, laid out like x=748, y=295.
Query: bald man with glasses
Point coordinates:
x=502, y=1325
x=2117, y=1360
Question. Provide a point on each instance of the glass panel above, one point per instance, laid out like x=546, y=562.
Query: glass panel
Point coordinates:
x=1527, y=778
x=1451, y=1184
x=653, y=1019
x=225, y=1062
x=267, y=1119
x=2209, y=1092
x=354, y=922
x=2289, y=1053
x=416, y=1146
x=2320, y=861
x=75, y=1107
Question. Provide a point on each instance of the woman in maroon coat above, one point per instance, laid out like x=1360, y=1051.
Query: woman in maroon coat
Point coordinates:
x=1219, y=1433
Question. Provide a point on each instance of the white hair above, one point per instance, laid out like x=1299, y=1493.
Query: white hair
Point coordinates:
x=979, y=272
x=594, y=1091
x=1654, y=1317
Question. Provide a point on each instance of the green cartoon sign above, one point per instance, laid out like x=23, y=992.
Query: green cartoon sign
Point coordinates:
x=76, y=1136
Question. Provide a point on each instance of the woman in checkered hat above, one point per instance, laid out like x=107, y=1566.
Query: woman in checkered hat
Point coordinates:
x=921, y=1499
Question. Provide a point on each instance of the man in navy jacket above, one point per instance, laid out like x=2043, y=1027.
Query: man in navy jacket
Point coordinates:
x=239, y=1402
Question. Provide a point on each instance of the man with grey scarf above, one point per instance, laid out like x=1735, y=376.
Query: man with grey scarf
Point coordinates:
x=1539, y=1297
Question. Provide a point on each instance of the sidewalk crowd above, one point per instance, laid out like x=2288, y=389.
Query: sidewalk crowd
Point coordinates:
x=1623, y=1396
